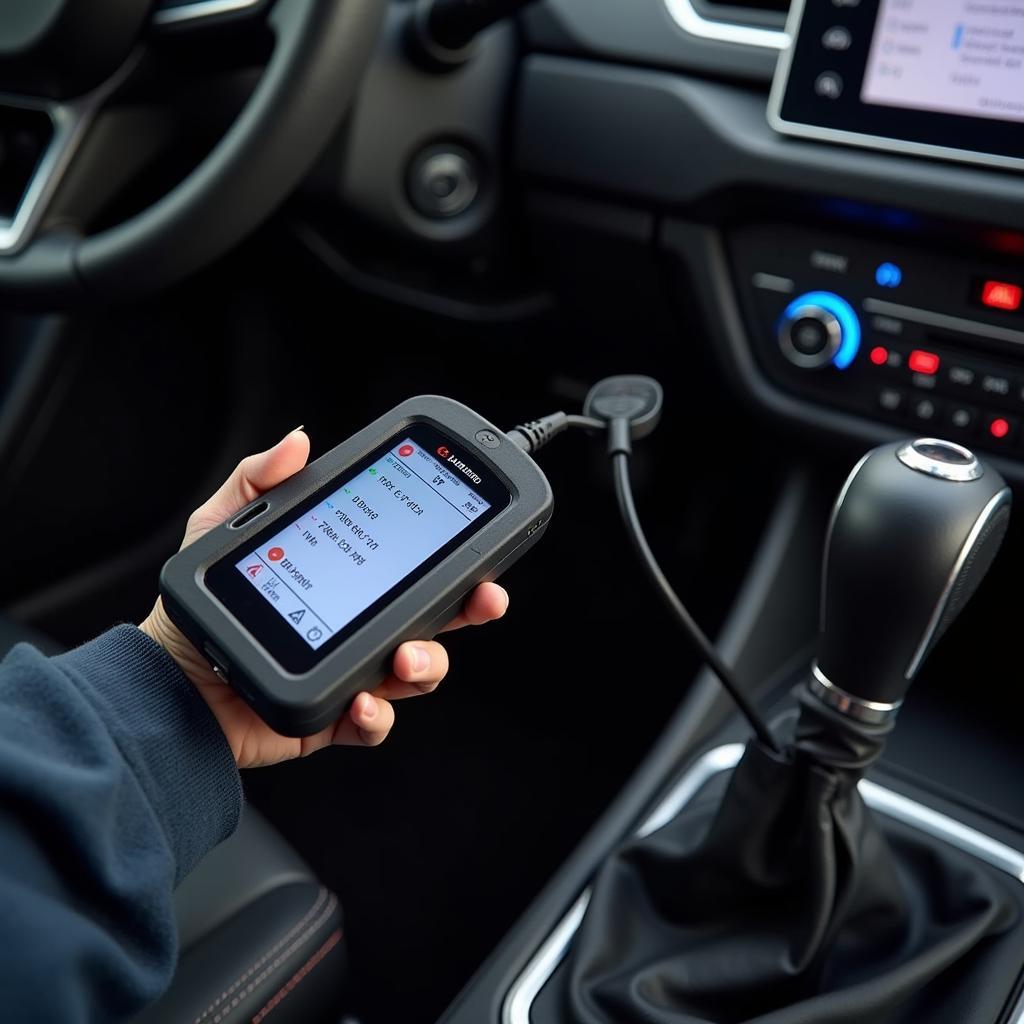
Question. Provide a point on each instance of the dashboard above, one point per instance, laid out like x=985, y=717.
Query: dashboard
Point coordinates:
x=852, y=235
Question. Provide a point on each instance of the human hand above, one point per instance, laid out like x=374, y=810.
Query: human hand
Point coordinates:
x=417, y=667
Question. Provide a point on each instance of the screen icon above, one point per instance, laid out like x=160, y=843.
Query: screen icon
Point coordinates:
x=314, y=634
x=296, y=616
x=406, y=450
x=254, y=570
x=275, y=554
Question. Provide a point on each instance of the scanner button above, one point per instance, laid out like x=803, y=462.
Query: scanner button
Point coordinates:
x=837, y=38
x=828, y=85
x=488, y=438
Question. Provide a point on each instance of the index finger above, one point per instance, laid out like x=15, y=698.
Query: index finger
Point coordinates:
x=487, y=603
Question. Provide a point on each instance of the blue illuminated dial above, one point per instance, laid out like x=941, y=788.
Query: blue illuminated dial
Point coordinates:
x=840, y=326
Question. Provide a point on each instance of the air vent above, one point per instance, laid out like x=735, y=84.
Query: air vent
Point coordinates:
x=762, y=13
x=759, y=23
x=732, y=10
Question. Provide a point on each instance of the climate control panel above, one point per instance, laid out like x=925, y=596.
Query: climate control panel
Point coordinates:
x=889, y=332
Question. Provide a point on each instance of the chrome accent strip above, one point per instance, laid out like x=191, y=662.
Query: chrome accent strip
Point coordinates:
x=527, y=986
x=913, y=458
x=997, y=501
x=70, y=121
x=689, y=20
x=951, y=323
x=519, y=999
x=831, y=526
x=1017, y=1013
x=203, y=9
x=773, y=283
x=949, y=830
x=873, y=712
x=721, y=759
x=819, y=134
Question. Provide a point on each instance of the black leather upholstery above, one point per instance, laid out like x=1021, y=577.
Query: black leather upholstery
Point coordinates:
x=260, y=937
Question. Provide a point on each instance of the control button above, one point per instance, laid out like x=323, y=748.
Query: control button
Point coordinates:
x=995, y=384
x=921, y=361
x=925, y=410
x=443, y=181
x=828, y=85
x=922, y=380
x=879, y=355
x=887, y=275
x=488, y=438
x=837, y=38
x=1001, y=428
x=961, y=376
x=891, y=400
x=819, y=328
x=962, y=417
x=1002, y=295
x=811, y=337
x=846, y=3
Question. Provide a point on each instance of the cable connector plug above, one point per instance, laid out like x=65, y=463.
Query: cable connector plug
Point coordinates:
x=631, y=406
x=532, y=436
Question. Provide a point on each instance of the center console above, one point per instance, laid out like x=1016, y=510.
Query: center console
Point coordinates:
x=923, y=340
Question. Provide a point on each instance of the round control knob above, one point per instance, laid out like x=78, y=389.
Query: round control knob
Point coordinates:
x=444, y=181
x=819, y=329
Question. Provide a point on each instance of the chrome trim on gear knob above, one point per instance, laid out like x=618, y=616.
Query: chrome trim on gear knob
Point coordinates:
x=961, y=466
x=871, y=712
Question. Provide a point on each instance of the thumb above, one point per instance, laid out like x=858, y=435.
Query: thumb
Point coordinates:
x=251, y=477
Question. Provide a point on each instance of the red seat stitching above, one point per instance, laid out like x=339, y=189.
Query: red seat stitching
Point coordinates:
x=332, y=940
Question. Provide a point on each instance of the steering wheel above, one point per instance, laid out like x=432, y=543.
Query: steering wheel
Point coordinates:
x=67, y=58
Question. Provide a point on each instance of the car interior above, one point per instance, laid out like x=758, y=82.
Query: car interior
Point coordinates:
x=220, y=219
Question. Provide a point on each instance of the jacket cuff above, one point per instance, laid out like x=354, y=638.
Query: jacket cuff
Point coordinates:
x=167, y=735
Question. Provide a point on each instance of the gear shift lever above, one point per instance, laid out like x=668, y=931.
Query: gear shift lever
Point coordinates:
x=784, y=901
x=914, y=532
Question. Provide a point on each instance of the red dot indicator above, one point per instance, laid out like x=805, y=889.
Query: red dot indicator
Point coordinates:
x=275, y=554
x=406, y=450
x=999, y=428
x=923, y=362
x=879, y=355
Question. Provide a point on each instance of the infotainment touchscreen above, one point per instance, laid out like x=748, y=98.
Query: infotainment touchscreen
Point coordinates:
x=937, y=77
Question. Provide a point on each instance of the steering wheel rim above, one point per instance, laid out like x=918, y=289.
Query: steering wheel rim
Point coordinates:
x=322, y=48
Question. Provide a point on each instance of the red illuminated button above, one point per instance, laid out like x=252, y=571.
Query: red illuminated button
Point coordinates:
x=1000, y=295
x=1001, y=428
x=923, y=362
x=879, y=355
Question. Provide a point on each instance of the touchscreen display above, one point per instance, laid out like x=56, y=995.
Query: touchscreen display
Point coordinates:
x=343, y=554
x=961, y=57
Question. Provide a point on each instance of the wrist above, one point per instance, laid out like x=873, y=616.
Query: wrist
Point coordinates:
x=159, y=628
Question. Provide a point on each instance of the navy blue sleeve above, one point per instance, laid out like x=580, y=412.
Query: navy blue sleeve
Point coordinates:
x=115, y=779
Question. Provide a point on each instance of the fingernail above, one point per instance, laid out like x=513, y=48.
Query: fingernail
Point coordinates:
x=507, y=598
x=420, y=659
x=369, y=708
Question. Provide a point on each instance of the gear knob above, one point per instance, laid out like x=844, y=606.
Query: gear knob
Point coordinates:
x=914, y=531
